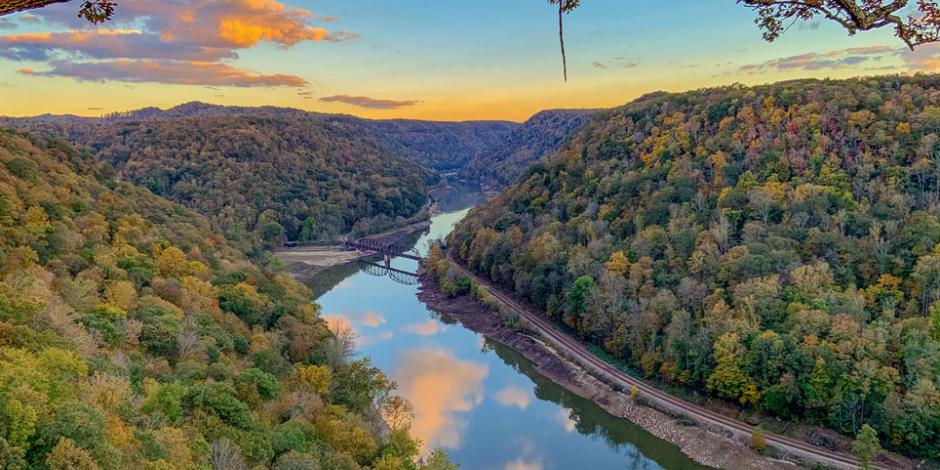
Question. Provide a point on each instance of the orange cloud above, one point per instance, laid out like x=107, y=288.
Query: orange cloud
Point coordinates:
x=442, y=388
x=427, y=328
x=373, y=319
x=26, y=71
x=169, y=38
x=338, y=323
x=234, y=23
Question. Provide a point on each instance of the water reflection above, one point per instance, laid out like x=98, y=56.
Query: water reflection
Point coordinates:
x=588, y=419
x=514, y=396
x=443, y=389
x=425, y=328
x=482, y=402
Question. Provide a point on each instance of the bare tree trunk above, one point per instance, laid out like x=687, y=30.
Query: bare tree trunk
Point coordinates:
x=13, y=6
x=561, y=37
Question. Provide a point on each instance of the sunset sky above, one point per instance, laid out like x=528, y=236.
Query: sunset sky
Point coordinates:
x=427, y=59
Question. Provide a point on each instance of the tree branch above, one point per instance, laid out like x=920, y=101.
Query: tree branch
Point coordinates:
x=12, y=6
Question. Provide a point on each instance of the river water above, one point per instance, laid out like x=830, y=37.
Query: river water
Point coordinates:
x=480, y=401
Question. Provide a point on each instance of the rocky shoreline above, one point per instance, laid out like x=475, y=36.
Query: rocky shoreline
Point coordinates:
x=705, y=446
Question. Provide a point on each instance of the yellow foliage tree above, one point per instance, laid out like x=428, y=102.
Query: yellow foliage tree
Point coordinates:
x=618, y=263
x=121, y=294
x=317, y=378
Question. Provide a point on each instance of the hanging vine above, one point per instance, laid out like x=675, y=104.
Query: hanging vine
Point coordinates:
x=564, y=7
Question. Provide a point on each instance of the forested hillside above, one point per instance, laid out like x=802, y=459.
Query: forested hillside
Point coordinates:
x=131, y=336
x=776, y=246
x=271, y=177
x=542, y=134
x=440, y=146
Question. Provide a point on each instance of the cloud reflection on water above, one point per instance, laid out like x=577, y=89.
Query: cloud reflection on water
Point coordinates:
x=514, y=396
x=442, y=388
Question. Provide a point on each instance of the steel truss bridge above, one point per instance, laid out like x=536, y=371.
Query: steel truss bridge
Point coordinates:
x=385, y=248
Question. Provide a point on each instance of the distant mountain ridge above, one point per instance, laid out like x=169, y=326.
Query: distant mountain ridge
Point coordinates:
x=442, y=146
x=541, y=135
x=491, y=151
x=274, y=174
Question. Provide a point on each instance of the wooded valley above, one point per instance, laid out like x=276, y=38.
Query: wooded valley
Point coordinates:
x=133, y=336
x=775, y=246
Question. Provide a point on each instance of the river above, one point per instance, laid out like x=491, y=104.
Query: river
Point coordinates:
x=480, y=401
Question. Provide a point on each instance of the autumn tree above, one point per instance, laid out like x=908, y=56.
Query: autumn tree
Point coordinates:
x=759, y=440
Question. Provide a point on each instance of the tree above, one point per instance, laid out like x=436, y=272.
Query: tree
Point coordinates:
x=294, y=460
x=438, y=460
x=759, y=440
x=578, y=296
x=866, y=446
x=95, y=11
x=67, y=456
x=774, y=17
x=358, y=385
x=935, y=321
x=398, y=412
x=728, y=379
x=853, y=15
x=316, y=378
x=11, y=457
x=226, y=455
x=618, y=263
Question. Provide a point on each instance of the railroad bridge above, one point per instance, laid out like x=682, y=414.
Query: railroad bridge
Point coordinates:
x=391, y=250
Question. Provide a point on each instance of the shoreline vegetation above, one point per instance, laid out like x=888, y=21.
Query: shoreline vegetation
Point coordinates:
x=775, y=246
x=446, y=291
x=132, y=335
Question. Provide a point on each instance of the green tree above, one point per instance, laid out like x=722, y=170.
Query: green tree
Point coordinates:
x=866, y=446
x=578, y=296
x=359, y=384
x=11, y=457
x=267, y=384
x=167, y=399
x=20, y=422
x=438, y=460
x=935, y=321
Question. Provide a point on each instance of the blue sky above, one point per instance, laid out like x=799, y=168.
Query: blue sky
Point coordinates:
x=451, y=60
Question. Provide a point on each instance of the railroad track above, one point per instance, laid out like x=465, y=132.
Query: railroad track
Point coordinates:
x=577, y=350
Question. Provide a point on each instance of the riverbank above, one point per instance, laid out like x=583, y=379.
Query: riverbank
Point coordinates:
x=702, y=445
x=668, y=419
x=306, y=261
